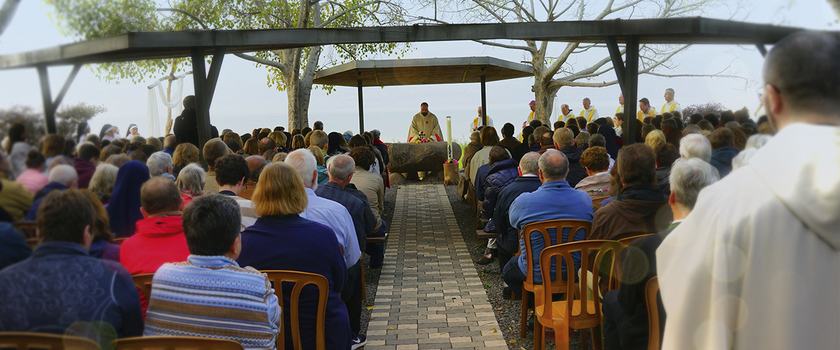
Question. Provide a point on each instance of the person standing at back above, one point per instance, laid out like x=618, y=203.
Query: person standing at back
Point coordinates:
x=186, y=124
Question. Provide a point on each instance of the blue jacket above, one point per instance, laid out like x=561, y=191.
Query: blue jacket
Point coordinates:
x=554, y=200
x=354, y=205
x=61, y=285
x=508, y=235
x=294, y=243
x=498, y=177
x=39, y=197
x=722, y=159
x=13, y=247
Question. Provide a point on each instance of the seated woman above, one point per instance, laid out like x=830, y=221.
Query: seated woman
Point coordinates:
x=282, y=240
x=103, y=245
x=190, y=182
x=185, y=154
x=596, y=161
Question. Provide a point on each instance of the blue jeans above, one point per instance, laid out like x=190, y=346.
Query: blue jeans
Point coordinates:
x=377, y=251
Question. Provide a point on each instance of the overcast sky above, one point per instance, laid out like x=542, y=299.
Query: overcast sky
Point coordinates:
x=243, y=101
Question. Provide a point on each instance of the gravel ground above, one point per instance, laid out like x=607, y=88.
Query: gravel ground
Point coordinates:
x=507, y=311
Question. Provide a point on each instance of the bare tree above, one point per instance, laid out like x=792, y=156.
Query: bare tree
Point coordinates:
x=7, y=11
x=554, y=71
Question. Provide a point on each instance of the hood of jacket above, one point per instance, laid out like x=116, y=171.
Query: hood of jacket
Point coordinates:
x=504, y=164
x=808, y=183
x=725, y=154
x=162, y=226
x=51, y=186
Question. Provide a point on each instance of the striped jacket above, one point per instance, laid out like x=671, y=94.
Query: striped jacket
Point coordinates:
x=211, y=296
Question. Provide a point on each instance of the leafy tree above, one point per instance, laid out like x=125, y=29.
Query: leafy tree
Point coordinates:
x=32, y=120
x=553, y=71
x=71, y=116
x=290, y=70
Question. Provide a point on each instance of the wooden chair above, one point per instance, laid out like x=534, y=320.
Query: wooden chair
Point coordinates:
x=652, y=297
x=29, y=231
x=577, y=311
x=300, y=280
x=596, y=202
x=542, y=227
x=175, y=343
x=28, y=340
x=627, y=240
x=119, y=241
x=143, y=282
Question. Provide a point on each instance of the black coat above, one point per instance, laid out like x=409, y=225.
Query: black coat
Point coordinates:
x=508, y=237
x=576, y=171
x=186, y=128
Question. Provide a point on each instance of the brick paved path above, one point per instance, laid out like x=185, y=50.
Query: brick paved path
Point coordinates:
x=429, y=294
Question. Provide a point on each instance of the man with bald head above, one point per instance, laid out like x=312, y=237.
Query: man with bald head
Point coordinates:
x=768, y=231
x=553, y=200
x=61, y=178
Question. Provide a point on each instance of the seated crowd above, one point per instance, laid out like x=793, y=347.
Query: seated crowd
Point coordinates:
x=110, y=209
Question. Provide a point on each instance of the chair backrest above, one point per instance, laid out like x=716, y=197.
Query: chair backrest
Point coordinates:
x=628, y=240
x=119, y=241
x=542, y=227
x=176, y=343
x=300, y=280
x=27, y=340
x=596, y=201
x=143, y=282
x=576, y=291
x=27, y=228
x=651, y=297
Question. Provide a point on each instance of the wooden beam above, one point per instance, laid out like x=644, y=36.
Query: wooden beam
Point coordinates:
x=202, y=108
x=631, y=83
x=46, y=99
x=213, y=74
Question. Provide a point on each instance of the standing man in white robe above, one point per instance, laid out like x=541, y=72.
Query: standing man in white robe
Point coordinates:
x=589, y=112
x=754, y=266
x=670, y=105
x=427, y=123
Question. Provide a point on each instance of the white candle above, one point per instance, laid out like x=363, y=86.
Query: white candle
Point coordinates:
x=449, y=129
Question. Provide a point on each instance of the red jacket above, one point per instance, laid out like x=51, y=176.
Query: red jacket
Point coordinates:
x=158, y=240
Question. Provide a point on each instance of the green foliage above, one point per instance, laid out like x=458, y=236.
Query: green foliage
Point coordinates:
x=71, y=116
x=34, y=122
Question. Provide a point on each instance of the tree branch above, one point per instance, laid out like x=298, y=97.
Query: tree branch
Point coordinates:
x=514, y=47
x=190, y=15
x=282, y=67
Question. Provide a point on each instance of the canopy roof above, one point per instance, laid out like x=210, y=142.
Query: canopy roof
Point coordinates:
x=135, y=46
x=422, y=71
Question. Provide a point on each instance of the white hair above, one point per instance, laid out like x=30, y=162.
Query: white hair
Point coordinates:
x=305, y=164
x=688, y=177
x=757, y=141
x=743, y=158
x=696, y=146
x=340, y=167
x=191, y=178
x=63, y=174
x=530, y=163
x=158, y=163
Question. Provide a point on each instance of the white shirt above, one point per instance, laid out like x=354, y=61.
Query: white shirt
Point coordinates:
x=754, y=266
x=590, y=114
x=477, y=122
x=336, y=217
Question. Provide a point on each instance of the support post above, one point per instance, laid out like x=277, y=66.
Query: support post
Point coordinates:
x=483, y=99
x=631, y=83
x=213, y=74
x=202, y=108
x=618, y=62
x=361, y=109
x=46, y=99
x=762, y=49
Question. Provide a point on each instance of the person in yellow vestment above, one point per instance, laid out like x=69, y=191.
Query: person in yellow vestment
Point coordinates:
x=567, y=112
x=478, y=121
x=670, y=105
x=620, y=108
x=427, y=123
x=533, y=106
x=589, y=112
x=645, y=110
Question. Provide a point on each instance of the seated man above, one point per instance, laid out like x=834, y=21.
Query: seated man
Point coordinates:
x=625, y=313
x=213, y=150
x=231, y=174
x=63, y=290
x=638, y=208
x=210, y=295
x=340, y=169
x=528, y=181
x=61, y=178
x=160, y=164
x=553, y=200
x=159, y=237
x=723, y=150
x=373, y=187
x=564, y=141
x=256, y=165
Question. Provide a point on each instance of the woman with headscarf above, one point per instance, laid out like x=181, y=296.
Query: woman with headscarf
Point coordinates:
x=334, y=145
x=133, y=132
x=124, y=207
x=82, y=131
x=107, y=133
x=609, y=135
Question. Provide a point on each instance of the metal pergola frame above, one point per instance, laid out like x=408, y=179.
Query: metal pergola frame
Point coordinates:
x=135, y=46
